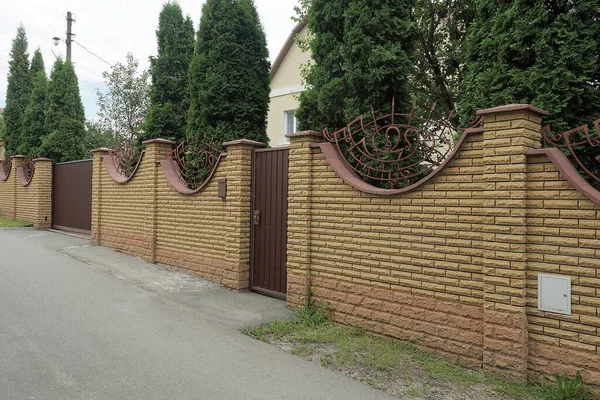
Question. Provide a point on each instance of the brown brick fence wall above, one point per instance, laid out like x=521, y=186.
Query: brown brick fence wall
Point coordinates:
x=146, y=216
x=29, y=201
x=452, y=265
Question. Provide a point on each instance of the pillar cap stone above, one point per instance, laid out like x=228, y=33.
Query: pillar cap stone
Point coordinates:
x=100, y=150
x=18, y=156
x=512, y=108
x=41, y=159
x=244, y=142
x=305, y=133
x=158, y=141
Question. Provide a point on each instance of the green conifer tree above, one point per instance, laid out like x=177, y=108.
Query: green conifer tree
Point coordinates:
x=17, y=92
x=544, y=53
x=37, y=65
x=362, y=57
x=64, y=116
x=2, y=131
x=169, y=96
x=539, y=52
x=34, y=120
x=229, y=74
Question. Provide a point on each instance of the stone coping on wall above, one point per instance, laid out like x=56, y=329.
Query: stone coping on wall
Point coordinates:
x=245, y=142
x=344, y=170
x=169, y=167
x=568, y=172
x=100, y=150
x=173, y=176
x=111, y=165
x=158, y=141
x=513, y=107
x=304, y=134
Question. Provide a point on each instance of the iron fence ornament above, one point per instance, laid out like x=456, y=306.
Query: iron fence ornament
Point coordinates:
x=574, y=147
x=126, y=157
x=395, y=150
x=196, y=161
x=7, y=166
x=28, y=169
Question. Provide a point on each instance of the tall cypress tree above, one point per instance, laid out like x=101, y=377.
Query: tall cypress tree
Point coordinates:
x=169, y=96
x=17, y=92
x=535, y=51
x=229, y=74
x=37, y=65
x=64, y=116
x=363, y=56
x=34, y=120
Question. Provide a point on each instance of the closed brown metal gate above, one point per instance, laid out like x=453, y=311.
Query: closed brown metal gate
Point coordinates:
x=72, y=197
x=269, y=221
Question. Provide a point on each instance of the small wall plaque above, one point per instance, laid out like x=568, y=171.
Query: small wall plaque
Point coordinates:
x=222, y=193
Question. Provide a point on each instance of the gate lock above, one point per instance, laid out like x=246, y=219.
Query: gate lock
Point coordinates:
x=256, y=217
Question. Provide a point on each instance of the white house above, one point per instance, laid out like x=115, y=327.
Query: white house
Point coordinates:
x=286, y=84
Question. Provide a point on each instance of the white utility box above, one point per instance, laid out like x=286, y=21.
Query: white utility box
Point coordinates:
x=554, y=293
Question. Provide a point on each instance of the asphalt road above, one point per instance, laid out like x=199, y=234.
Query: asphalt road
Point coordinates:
x=85, y=322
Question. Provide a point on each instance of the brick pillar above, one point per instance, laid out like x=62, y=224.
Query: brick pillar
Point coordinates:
x=9, y=194
x=299, y=216
x=156, y=151
x=239, y=206
x=2, y=149
x=509, y=131
x=17, y=162
x=97, y=169
x=42, y=187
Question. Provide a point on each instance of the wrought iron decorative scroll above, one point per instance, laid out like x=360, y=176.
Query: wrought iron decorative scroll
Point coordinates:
x=396, y=150
x=127, y=158
x=581, y=146
x=6, y=167
x=28, y=169
x=196, y=162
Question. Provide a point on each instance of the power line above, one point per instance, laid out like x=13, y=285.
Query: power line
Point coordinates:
x=38, y=38
x=93, y=69
x=94, y=54
x=88, y=69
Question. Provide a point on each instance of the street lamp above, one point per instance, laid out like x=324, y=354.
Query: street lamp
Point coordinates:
x=56, y=40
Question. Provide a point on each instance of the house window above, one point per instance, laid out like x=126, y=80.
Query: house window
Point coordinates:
x=290, y=123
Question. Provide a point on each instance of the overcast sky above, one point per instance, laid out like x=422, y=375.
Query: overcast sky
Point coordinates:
x=111, y=29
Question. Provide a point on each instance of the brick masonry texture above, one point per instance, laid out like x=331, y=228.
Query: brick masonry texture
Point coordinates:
x=452, y=265
x=201, y=233
x=563, y=238
x=32, y=202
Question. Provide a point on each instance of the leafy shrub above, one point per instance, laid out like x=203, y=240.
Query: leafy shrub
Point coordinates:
x=571, y=389
x=313, y=314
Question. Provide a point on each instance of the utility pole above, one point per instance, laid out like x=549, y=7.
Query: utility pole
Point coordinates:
x=69, y=34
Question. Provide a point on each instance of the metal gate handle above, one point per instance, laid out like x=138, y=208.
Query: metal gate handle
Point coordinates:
x=256, y=217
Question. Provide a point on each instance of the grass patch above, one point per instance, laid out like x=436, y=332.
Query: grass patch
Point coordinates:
x=385, y=363
x=11, y=223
